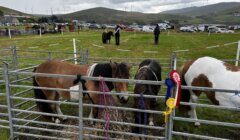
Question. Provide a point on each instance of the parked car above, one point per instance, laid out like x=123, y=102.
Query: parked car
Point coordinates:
x=128, y=29
x=108, y=26
x=224, y=30
x=94, y=26
x=187, y=29
x=164, y=26
x=136, y=27
x=147, y=29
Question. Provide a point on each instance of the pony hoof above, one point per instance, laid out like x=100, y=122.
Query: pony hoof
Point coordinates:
x=64, y=118
x=196, y=124
x=57, y=121
x=53, y=119
x=151, y=123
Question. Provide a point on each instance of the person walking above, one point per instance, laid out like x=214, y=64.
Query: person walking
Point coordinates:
x=156, y=34
x=117, y=34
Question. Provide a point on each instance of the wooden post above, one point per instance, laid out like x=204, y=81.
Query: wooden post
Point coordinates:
x=237, y=56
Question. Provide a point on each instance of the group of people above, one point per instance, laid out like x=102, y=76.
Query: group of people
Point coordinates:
x=156, y=34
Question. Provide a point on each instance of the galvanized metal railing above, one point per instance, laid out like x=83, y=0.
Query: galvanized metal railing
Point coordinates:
x=19, y=118
x=14, y=127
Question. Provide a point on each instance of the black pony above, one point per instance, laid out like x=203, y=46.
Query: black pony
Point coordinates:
x=148, y=70
x=106, y=37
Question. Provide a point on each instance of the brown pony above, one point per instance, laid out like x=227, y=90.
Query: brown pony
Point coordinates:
x=111, y=70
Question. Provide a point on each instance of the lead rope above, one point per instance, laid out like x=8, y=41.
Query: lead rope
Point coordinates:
x=142, y=106
x=105, y=99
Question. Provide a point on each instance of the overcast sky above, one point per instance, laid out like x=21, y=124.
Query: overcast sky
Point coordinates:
x=67, y=6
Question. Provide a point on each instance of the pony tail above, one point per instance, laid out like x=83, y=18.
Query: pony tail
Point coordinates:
x=38, y=93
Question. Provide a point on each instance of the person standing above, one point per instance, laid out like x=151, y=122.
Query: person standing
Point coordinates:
x=117, y=34
x=78, y=28
x=156, y=34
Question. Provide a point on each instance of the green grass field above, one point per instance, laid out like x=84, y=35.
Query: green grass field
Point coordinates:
x=133, y=45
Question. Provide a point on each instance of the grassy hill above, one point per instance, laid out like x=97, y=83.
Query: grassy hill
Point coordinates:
x=205, y=10
x=8, y=11
x=216, y=13
x=180, y=11
x=106, y=15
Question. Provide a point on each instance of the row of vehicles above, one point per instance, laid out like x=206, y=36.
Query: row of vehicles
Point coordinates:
x=208, y=28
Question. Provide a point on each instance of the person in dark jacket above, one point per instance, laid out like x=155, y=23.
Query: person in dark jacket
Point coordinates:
x=117, y=34
x=156, y=34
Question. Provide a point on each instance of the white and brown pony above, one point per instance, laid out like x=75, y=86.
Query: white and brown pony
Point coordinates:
x=213, y=73
x=148, y=70
x=110, y=70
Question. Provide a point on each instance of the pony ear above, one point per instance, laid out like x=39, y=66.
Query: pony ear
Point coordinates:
x=113, y=64
x=129, y=66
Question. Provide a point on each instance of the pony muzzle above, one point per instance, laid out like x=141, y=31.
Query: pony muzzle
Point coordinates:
x=123, y=98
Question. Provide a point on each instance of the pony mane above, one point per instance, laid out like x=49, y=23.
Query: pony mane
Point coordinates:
x=122, y=70
x=104, y=70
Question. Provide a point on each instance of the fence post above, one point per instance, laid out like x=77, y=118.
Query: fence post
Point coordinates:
x=74, y=51
x=14, y=59
x=237, y=56
x=174, y=61
x=9, y=102
x=9, y=33
x=87, y=56
x=40, y=32
x=49, y=55
x=169, y=125
x=80, y=105
x=81, y=56
x=62, y=31
x=14, y=55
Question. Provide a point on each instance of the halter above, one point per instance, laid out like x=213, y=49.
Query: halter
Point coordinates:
x=147, y=67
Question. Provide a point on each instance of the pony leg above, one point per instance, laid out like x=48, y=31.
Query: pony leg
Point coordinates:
x=192, y=113
x=54, y=96
x=150, y=119
x=90, y=85
x=91, y=114
x=59, y=112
